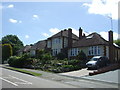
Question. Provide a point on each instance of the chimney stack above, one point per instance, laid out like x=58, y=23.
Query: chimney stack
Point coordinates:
x=61, y=32
x=80, y=33
x=69, y=37
x=111, y=50
x=110, y=37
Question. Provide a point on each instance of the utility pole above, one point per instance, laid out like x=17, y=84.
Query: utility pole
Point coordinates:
x=110, y=17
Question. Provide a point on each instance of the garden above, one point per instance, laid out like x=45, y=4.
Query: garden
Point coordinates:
x=44, y=61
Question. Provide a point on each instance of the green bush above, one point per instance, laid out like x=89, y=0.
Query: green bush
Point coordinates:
x=14, y=61
x=81, y=56
x=47, y=56
x=61, y=56
x=6, y=52
x=74, y=62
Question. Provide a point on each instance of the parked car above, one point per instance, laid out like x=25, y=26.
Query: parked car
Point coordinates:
x=97, y=62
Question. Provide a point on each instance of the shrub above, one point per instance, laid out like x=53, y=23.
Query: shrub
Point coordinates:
x=82, y=56
x=6, y=52
x=68, y=68
x=14, y=61
x=47, y=56
x=74, y=62
x=61, y=56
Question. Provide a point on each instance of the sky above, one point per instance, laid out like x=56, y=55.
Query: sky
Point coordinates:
x=35, y=21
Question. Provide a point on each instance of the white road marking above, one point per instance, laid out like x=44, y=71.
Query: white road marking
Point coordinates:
x=9, y=81
x=20, y=79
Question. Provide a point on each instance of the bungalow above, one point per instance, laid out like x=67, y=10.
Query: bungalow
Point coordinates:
x=95, y=45
x=25, y=49
x=37, y=46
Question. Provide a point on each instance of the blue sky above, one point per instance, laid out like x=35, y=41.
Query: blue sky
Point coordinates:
x=34, y=21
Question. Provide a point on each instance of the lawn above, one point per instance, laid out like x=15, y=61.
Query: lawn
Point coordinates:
x=24, y=71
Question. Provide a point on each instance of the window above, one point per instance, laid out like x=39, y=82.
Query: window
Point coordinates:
x=56, y=40
x=74, y=51
x=55, y=51
x=49, y=44
x=94, y=50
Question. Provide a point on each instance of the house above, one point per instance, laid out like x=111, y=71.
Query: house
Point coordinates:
x=25, y=49
x=61, y=41
x=37, y=46
x=70, y=44
x=95, y=45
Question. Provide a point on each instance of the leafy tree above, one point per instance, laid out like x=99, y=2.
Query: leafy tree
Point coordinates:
x=14, y=41
x=117, y=42
x=6, y=52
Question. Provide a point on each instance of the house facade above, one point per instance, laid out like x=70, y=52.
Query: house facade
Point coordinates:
x=95, y=45
x=61, y=41
x=37, y=46
x=70, y=44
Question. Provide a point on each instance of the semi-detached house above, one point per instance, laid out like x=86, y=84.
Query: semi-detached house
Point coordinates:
x=67, y=42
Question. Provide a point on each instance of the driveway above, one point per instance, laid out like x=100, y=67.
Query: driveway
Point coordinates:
x=78, y=73
x=110, y=77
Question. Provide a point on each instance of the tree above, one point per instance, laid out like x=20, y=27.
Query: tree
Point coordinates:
x=6, y=52
x=14, y=41
x=117, y=42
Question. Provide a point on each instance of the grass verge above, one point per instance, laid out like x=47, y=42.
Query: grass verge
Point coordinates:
x=24, y=71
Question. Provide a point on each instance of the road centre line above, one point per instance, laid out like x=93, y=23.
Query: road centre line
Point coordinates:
x=20, y=79
x=9, y=81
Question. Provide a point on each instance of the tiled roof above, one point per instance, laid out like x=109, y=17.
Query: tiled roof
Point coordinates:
x=91, y=40
x=39, y=45
x=25, y=48
x=65, y=34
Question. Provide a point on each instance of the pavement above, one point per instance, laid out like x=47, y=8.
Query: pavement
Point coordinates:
x=81, y=78
x=110, y=77
x=78, y=73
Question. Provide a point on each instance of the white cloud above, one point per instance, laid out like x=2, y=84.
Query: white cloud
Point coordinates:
x=20, y=21
x=35, y=17
x=27, y=36
x=103, y=7
x=102, y=33
x=105, y=35
x=15, y=21
x=54, y=30
x=10, y=6
x=45, y=34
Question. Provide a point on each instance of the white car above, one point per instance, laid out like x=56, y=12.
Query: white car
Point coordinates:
x=97, y=62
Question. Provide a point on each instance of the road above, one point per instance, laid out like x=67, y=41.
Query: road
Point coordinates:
x=13, y=79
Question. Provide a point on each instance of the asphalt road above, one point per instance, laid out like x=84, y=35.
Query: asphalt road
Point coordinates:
x=13, y=79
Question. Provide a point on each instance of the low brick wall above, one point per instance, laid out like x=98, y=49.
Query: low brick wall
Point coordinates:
x=105, y=69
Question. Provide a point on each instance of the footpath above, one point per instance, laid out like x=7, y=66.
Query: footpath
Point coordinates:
x=83, y=81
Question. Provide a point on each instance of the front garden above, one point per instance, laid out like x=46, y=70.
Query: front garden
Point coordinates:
x=44, y=61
